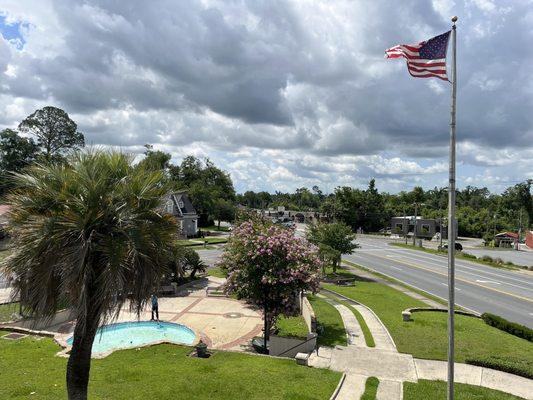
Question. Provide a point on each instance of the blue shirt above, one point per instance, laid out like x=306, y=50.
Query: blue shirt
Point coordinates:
x=154, y=300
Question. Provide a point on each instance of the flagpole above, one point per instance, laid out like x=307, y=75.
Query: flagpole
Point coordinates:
x=451, y=225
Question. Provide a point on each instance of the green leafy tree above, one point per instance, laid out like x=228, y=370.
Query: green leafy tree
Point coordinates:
x=88, y=232
x=333, y=240
x=155, y=160
x=224, y=210
x=16, y=153
x=55, y=132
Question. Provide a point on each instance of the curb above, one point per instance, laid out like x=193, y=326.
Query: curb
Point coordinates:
x=339, y=387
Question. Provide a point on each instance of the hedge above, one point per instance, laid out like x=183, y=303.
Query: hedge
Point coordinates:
x=511, y=327
x=511, y=366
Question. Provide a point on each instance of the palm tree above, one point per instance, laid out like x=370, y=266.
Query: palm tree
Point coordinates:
x=88, y=233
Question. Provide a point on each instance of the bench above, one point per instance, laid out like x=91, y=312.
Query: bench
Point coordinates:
x=168, y=289
x=214, y=291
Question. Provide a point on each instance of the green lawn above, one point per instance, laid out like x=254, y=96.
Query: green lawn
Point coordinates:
x=216, y=228
x=330, y=321
x=341, y=273
x=292, y=327
x=426, y=336
x=371, y=388
x=160, y=372
x=216, y=272
x=436, y=390
x=7, y=310
x=201, y=241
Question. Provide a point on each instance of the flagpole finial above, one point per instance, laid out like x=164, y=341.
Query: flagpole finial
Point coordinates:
x=454, y=19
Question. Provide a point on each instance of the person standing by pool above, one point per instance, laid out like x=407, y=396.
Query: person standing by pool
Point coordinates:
x=155, y=307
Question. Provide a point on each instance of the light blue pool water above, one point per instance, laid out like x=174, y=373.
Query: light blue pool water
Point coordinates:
x=133, y=334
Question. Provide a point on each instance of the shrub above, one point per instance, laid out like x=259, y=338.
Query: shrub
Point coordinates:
x=511, y=366
x=498, y=260
x=487, y=259
x=510, y=327
x=471, y=256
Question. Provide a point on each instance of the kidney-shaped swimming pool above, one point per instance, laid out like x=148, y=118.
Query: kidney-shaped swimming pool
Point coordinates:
x=125, y=335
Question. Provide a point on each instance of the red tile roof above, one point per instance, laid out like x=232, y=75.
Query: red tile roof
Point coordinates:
x=508, y=234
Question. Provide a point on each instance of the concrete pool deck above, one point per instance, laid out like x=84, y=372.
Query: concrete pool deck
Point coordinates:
x=221, y=322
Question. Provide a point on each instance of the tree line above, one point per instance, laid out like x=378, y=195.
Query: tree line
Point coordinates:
x=480, y=213
x=48, y=135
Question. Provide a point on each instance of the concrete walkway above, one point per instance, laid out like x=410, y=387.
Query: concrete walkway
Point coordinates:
x=392, y=368
x=354, y=332
x=381, y=335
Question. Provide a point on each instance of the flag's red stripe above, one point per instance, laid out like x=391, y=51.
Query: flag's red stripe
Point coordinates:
x=422, y=64
x=430, y=76
x=436, y=71
x=412, y=48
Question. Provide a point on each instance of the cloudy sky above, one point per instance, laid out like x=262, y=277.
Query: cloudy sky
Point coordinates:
x=281, y=94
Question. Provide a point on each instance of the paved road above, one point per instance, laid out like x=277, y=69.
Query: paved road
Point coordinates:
x=479, y=288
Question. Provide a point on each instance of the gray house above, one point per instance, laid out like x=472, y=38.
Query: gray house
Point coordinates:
x=179, y=205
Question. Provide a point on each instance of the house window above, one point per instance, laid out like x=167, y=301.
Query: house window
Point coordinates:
x=425, y=228
x=169, y=207
x=180, y=204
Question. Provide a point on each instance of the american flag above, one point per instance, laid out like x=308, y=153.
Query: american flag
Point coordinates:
x=426, y=59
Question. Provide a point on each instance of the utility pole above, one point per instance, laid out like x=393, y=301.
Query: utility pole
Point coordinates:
x=441, y=231
x=519, y=229
x=405, y=226
x=414, y=228
x=451, y=225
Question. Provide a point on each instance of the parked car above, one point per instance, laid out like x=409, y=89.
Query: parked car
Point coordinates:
x=458, y=246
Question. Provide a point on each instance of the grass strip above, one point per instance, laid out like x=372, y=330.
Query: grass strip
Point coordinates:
x=424, y=390
x=330, y=325
x=371, y=388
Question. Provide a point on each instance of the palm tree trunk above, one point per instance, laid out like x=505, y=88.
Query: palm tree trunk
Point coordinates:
x=79, y=362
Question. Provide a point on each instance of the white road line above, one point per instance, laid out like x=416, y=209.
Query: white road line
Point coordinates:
x=460, y=263
x=435, y=262
x=445, y=284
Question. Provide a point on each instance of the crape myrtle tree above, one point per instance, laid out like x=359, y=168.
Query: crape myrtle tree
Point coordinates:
x=333, y=240
x=87, y=232
x=269, y=267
